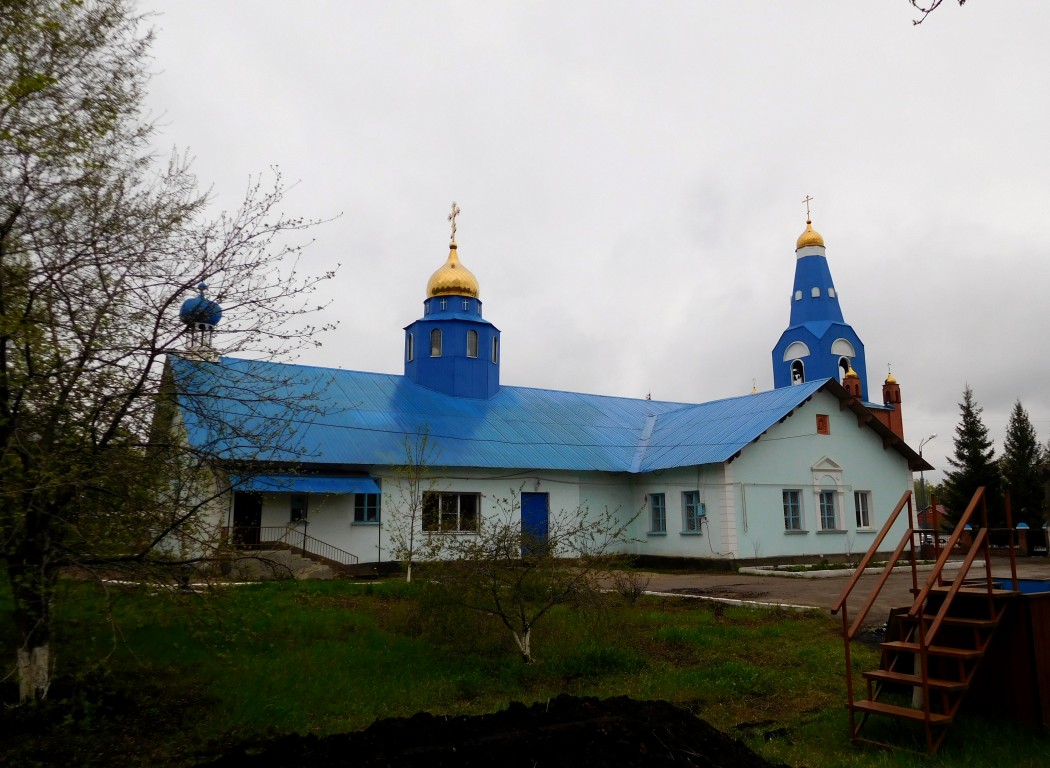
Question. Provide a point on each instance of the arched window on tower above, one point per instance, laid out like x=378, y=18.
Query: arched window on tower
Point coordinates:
x=410, y=347
x=798, y=372
x=495, y=349
x=472, y=343
x=435, y=343
x=844, y=366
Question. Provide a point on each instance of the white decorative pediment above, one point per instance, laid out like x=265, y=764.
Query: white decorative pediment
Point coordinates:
x=826, y=465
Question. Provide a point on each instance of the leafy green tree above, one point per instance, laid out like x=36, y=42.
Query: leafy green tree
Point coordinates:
x=973, y=465
x=1022, y=468
x=99, y=245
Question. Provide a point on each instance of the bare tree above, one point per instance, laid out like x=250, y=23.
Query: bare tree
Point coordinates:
x=409, y=542
x=926, y=8
x=507, y=574
x=99, y=245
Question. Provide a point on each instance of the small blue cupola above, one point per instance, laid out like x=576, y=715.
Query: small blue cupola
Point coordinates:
x=452, y=349
x=818, y=343
x=200, y=315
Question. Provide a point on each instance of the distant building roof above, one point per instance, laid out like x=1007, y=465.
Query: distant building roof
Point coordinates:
x=330, y=416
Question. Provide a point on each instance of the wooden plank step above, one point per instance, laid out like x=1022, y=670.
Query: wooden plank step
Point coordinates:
x=904, y=713
x=934, y=650
x=903, y=678
x=955, y=621
x=976, y=591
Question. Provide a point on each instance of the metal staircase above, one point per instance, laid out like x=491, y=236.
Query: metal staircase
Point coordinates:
x=934, y=647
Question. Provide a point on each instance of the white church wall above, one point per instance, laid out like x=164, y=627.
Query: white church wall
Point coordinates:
x=793, y=456
x=676, y=539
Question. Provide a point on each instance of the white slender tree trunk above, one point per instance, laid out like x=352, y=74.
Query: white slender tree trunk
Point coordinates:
x=34, y=673
x=524, y=645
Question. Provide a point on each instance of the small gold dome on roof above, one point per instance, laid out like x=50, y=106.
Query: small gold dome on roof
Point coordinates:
x=890, y=379
x=453, y=279
x=809, y=237
x=852, y=374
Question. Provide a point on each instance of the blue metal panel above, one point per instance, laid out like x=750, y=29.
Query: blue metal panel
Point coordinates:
x=256, y=411
x=305, y=484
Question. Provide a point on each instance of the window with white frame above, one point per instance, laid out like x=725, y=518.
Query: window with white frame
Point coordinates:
x=466, y=305
x=366, y=508
x=495, y=349
x=792, y=510
x=443, y=303
x=472, y=343
x=451, y=512
x=693, y=512
x=862, y=503
x=657, y=513
x=827, y=510
x=435, y=343
x=410, y=347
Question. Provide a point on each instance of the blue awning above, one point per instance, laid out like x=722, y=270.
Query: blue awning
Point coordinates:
x=304, y=484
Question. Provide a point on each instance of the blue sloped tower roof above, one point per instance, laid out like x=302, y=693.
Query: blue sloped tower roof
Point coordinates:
x=817, y=340
x=243, y=410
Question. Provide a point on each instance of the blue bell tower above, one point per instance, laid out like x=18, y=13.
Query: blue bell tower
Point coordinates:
x=452, y=348
x=818, y=342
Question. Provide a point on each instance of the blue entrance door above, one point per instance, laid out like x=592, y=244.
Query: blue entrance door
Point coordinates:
x=535, y=515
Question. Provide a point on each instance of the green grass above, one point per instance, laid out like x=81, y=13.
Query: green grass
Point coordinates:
x=159, y=679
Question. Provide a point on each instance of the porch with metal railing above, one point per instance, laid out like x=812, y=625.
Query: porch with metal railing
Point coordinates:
x=291, y=538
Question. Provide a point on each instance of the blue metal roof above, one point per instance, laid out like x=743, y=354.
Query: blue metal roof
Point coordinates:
x=305, y=484
x=251, y=410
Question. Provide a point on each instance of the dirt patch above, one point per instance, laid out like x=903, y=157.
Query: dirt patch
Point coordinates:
x=566, y=731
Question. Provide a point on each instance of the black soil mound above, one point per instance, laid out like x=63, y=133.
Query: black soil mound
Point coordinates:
x=566, y=731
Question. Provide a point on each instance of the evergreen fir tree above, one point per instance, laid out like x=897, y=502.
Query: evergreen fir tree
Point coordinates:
x=973, y=465
x=1022, y=465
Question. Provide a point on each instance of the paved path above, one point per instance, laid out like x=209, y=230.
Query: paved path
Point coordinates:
x=819, y=593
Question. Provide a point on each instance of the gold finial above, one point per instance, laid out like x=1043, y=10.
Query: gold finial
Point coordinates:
x=452, y=217
x=889, y=374
x=852, y=374
x=754, y=387
x=810, y=236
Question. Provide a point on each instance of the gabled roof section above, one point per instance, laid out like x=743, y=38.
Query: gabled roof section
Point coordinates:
x=243, y=410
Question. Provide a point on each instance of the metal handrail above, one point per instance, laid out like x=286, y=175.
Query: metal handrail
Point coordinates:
x=294, y=539
x=840, y=604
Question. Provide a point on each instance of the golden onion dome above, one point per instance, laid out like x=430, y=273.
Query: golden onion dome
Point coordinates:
x=852, y=374
x=809, y=237
x=890, y=379
x=453, y=279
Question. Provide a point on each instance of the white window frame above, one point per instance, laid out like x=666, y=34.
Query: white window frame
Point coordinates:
x=435, y=342
x=410, y=347
x=694, y=512
x=472, y=343
x=826, y=501
x=792, y=497
x=657, y=513
x=862, y=509
x=495, y=349
x=449, y=515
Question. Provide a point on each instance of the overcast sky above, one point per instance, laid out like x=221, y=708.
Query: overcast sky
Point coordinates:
x=631, y=178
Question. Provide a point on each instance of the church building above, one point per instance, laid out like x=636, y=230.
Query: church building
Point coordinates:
x=809, y=468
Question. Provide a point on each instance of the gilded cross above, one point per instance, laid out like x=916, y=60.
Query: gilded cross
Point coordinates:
x=807, y=201
x=452, y=217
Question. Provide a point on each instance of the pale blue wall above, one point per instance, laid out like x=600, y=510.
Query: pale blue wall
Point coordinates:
x=784, y=457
